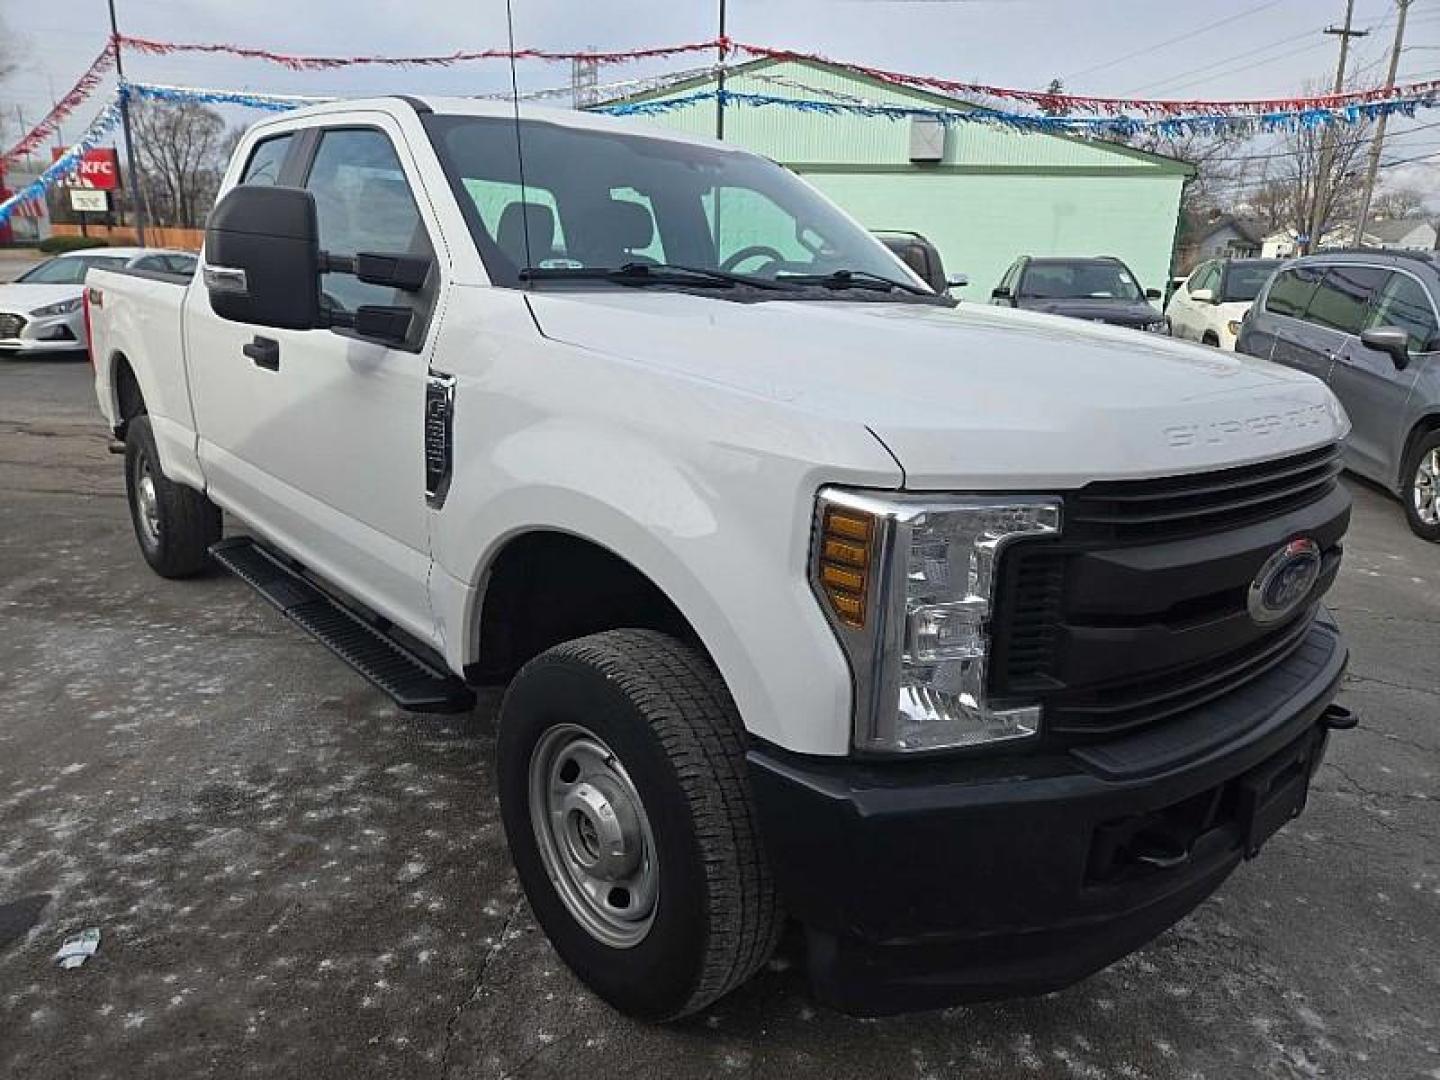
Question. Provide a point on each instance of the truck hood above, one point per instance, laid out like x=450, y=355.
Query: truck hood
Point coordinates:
x=1119, y=312
x=26, y=298
x=971, y=397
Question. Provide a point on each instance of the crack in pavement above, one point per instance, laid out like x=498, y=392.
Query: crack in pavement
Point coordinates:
x=479, y=987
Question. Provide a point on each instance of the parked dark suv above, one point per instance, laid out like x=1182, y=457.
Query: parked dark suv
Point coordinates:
x=1100, y=289
x=1368, y=323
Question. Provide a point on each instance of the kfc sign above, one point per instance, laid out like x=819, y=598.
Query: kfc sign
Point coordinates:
x=99, y=169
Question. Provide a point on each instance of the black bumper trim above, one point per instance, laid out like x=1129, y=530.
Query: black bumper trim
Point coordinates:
x=926, y=884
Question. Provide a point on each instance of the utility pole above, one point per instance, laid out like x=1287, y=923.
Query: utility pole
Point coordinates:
x=1322, y=176
x=720, y=81
x=1378, y=145
x=131, y=174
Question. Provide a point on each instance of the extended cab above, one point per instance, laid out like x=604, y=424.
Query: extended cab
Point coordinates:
x=982, y=643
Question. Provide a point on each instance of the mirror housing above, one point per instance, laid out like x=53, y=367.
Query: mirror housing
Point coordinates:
x=1388, y=339
x=1000, y=292
x=1203, y=296
x=262, y=258
x=919, y=254
x=957, y=281
x=1152, y=294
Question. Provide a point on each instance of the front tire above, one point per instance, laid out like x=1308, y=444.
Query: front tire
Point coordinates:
x=626, y=804
x=174, y=524
x=1421, y=494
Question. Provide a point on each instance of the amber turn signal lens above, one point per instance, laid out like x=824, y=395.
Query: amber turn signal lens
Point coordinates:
x=846, y=546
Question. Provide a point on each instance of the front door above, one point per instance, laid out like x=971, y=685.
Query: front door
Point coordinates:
x=321, y=447
x=1372, y=389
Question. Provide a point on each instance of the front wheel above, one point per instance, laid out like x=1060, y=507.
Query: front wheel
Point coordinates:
x=1422, y=488
x=627, y=809
x=174, y=524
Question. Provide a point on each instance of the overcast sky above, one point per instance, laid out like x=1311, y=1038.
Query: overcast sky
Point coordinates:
x=1216, y=49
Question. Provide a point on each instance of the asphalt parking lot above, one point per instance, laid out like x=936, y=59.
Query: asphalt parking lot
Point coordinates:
x=291, y=877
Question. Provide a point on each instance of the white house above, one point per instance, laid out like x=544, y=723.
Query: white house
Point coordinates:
x=1400, y=234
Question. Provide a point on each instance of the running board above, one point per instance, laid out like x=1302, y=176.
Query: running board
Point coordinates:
x=415, y=684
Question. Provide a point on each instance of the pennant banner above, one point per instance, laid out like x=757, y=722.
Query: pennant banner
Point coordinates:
x=73, y=99
x=1115, y=126
x=1061, y=103
x=324, y=63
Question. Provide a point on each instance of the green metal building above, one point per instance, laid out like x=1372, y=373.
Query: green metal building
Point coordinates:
x=982, y=194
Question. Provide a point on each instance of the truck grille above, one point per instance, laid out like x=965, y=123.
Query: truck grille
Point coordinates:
x=11, y=325
x=1138, y=611
x=1182, y=505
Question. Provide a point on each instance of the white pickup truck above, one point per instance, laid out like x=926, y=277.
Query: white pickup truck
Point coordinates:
x=981, y=644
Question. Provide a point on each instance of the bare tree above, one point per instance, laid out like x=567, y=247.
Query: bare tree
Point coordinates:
x=1400, y=202
x=181, y=149
x=1315, y=178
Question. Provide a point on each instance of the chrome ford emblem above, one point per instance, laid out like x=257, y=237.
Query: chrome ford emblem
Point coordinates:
x=1284, y=582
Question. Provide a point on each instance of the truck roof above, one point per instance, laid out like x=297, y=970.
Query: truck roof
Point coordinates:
x=463, y=106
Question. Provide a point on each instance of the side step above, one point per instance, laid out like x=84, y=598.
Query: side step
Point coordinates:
x=414, y=683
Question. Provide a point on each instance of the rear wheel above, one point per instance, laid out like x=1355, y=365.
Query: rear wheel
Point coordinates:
x=627, y=809
x=1422, y=488
x=174, y=524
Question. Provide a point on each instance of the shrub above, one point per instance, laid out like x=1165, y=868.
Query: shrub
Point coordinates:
x=52, y=245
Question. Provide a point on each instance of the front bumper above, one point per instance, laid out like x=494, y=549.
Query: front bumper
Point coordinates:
x=58, y=333
x=927, y=884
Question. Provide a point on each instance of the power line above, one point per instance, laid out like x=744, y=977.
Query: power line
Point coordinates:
x=1224, y=62
x=1187, y=36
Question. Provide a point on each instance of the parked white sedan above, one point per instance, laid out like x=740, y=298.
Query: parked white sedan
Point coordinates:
x=42, y=311
x=1209, y=306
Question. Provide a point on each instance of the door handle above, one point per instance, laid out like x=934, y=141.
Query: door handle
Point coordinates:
x=265, y=352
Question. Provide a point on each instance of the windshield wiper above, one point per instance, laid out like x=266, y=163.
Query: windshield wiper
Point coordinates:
x=856, y=279
x=636, y=273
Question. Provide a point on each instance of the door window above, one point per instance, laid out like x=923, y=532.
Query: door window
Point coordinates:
x=1403, y=302
x=1291, y=293
x=1207, y=277
x=265, y=160
x=1343, y=296
x=363, y=203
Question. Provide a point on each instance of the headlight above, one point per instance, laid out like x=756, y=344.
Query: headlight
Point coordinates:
x=908, y=583
x=1234, y=327
x=1159, y=326
x=65, y=307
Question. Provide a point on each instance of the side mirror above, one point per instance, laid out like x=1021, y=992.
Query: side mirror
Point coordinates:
x=1152, y=294
x=263, y=264
x=1000, y=292
x=1203, y=296
x=1388, y=339
x=957, y=281
x=262, y=258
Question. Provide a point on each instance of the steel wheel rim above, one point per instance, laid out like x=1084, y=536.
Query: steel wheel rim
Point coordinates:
x=594, y=836
x=1426, y=487
x=147, y=502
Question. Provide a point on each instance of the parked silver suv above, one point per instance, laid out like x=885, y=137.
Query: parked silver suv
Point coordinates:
x=1368, y=323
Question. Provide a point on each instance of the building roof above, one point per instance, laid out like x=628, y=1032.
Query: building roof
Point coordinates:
x=1394, y=229
x=1249, y=229
x=921, y=97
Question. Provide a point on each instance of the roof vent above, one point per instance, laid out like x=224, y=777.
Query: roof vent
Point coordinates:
x=927, y=138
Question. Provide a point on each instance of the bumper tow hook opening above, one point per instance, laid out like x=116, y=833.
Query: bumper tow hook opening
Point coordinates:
x=1338, y=718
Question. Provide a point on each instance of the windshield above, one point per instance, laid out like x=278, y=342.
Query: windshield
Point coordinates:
x=1078, y=280
x=600, y=200
x=1243, y=281
x=69, y=270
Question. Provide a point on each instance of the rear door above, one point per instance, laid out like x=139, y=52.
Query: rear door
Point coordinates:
x=321, y=446
x=1186, y=315
x=1367, y=382
x=1295, y=341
